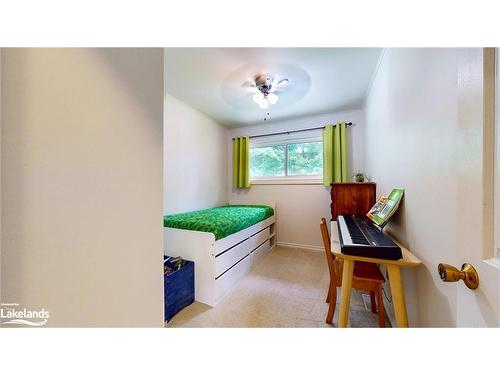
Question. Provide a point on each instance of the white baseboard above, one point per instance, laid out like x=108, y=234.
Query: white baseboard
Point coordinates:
x=301, y=246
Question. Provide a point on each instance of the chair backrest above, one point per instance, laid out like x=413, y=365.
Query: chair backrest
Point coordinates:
x=333, y=264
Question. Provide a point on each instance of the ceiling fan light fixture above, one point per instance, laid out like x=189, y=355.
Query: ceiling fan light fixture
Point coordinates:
x=266, y=87
x=258, y=97
x=273, y=98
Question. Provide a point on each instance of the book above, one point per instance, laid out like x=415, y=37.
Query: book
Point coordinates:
x=385, y=207
x=377, y=207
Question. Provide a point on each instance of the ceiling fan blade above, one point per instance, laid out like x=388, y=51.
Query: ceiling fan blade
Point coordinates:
x=283, y=82
x=248, y=84
x=279, y=84
x=277, y=90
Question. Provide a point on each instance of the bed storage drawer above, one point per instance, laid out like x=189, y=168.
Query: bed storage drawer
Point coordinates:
x=259, y=253
x=227, y=259
x=227, y=281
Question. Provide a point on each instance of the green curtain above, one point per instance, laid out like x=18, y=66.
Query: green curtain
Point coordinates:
x=241, y=158
x=334, y=154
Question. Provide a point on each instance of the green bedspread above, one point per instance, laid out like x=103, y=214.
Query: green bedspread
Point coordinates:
x=221, y=221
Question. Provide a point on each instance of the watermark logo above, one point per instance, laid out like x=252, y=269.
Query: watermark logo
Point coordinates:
x=12, y=314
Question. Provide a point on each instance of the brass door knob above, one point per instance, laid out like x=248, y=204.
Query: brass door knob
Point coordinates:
x=451, y=274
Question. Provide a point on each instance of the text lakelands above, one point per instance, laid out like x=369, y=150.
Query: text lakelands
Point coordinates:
x=23, y=314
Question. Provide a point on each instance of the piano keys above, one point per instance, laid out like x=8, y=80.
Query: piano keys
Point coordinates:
x=359, y=236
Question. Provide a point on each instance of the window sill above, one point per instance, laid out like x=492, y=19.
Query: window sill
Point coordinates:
x=287, y=181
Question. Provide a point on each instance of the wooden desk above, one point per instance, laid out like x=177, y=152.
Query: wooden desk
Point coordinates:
x=393, y=269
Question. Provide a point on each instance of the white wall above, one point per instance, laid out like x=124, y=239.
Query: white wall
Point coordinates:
x=299, y=207
x=411, y=142
x=0, y=175
x=195, y=171
x=82, y=184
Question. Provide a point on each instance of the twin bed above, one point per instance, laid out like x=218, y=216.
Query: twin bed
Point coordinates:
x=225, y=243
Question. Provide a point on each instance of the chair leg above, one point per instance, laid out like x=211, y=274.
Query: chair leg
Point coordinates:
x=332, y=295
x=328, y=294
x=372, y=302
x=381, y=314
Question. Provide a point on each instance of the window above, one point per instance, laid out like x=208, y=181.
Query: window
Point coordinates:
x=295, y=157
x=267, y=161
x=305, y=159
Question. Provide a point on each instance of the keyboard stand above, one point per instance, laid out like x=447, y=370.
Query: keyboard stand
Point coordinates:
x=393, y=270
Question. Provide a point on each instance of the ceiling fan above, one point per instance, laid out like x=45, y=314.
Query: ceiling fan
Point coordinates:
x=265, y=87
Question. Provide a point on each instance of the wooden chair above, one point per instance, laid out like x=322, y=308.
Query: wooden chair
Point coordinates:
x=366, y=276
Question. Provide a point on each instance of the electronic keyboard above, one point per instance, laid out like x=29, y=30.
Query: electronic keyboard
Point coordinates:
x=359, y=236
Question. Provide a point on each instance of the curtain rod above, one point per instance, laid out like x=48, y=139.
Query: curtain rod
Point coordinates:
x=292, y=131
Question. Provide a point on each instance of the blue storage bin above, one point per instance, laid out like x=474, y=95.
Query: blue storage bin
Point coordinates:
x=179, y=289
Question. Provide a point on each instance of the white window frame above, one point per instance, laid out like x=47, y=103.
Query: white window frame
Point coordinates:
x=284, y=140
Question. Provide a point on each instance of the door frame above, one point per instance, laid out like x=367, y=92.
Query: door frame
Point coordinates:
x=475, y=187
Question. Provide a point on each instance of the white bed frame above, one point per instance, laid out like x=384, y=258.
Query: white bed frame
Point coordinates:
x=219, y=265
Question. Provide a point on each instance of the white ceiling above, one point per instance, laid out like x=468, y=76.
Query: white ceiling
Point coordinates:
x=321, y=80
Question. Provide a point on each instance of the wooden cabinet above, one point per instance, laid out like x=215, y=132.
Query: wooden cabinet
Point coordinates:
x=352, y=198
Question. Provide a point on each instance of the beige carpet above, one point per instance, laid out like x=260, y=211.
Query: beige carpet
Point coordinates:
x=287, y=289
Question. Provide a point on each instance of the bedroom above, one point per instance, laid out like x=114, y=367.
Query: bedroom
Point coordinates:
x=212, y=100
x=207, y=106
x=97, y=134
